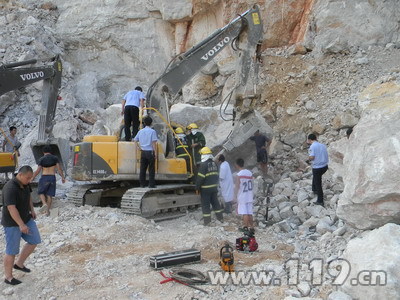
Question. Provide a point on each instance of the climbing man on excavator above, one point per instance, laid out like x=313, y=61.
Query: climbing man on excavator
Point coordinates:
x=196, y=142
x=207, y=184
x=181, y=147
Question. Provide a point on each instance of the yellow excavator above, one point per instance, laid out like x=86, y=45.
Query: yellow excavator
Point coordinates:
x=111, y=166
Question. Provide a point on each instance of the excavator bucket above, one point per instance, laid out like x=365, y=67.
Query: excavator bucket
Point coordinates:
x=59, y=147
x=244, y=129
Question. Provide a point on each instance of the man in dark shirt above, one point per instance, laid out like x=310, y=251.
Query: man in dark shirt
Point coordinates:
x=207, y=184
x=17, y=220
x=196, y=141
x=48, y=164
x=262, y=143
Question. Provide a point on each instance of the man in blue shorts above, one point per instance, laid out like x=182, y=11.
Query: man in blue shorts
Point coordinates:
x=18, y=221
x=48, y=165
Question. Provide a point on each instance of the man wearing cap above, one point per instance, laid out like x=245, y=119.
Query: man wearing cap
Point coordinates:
x=196, y=141
x=207, y=184
x=181, y=147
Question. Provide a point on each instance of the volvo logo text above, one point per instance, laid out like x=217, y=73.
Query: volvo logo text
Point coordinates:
x=216, y=48
x=34, y=75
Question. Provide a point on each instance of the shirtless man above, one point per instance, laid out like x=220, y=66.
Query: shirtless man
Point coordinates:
x=48, y=164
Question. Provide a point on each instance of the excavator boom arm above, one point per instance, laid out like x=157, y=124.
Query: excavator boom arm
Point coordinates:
x=186, y=65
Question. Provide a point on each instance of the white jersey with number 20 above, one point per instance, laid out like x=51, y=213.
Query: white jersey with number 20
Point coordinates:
x=245, y=193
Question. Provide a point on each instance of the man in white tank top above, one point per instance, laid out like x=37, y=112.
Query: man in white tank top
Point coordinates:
x=244, y=194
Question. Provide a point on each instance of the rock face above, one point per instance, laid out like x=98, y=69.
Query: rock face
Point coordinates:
x=338, y=26
x=371, y=197
x=373, y=272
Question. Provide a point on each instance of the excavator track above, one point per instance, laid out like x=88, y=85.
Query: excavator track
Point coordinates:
x=77, y=194
x=161, y=203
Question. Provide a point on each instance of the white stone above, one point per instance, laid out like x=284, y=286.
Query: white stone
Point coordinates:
x=310, y=105
x=371, y=193
x=227, y=66
x=207, y=118
x=375, y=254
x=201, y=87
x=8, y=291
x=304, y=288
x=340, y=231
x=180, y=10
x=338, y=295
x=381, y=27
x=324, y=225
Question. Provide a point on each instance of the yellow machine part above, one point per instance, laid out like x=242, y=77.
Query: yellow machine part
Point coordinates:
x=7, y=160
x=100, y=138
x=108, y=152
x=120, y=155
x=225, y=266
x=169, y=165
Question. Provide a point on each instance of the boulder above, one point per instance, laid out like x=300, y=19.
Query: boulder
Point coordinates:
x=6, y=100
x=371, y=193
x=182, y=9
x=210, y=123
x=336, y=152
x=372, y=264
x=66, y=130
x=201, y=87
x=339, y=26
x=227, y=66
x=110, y=121
x=87, y=92
x=294, y=139
x=344, y=120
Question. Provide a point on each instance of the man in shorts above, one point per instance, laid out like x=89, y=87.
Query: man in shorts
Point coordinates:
x=48, y=165
x=262, y=144
x=244, y=194
x=18, y=221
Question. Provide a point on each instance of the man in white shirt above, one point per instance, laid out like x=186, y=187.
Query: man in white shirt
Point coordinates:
x=147, y=138
x=11, y=142
x=226, y=183
x=318, y=155
x=244, y=194
x=131, y=103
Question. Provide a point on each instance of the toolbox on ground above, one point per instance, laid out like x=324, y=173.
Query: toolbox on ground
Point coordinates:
x=175, y=258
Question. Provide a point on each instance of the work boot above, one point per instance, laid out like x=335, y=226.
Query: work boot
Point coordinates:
x=207, y=220
x=228, y=208
x=220, y=217
x=251, y=231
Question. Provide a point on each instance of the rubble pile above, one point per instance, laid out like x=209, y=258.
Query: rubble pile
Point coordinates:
x=96, y=252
